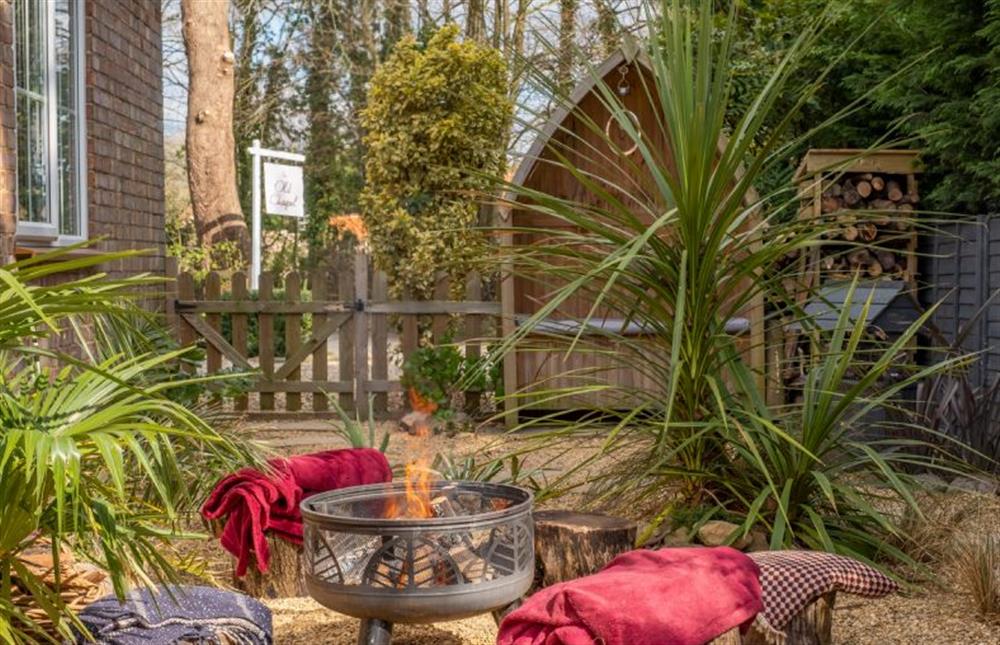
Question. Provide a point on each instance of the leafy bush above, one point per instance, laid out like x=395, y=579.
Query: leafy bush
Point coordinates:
x=437, y=120
x=438, y=372
x=433, y=371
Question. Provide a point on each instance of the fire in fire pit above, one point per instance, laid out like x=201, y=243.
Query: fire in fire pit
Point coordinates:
x=385, y=555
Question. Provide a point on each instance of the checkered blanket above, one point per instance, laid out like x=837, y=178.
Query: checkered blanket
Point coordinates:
x=791, y=580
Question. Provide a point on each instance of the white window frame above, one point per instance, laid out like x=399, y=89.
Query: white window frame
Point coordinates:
x=47, y=233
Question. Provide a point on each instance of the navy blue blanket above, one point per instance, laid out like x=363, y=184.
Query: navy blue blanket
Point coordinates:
x=200, y=615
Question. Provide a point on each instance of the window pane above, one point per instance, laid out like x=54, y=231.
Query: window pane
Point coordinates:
x=32, y=168
x=31, y=27
x=32, y=117
x=66, y=66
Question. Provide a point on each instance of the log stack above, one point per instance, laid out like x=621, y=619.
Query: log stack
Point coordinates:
x=869, y=201
x=872, y=233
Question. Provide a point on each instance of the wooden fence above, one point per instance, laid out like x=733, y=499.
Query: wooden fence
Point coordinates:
x=352, y=305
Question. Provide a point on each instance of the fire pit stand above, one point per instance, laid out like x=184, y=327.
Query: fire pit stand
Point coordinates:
x=367, y=557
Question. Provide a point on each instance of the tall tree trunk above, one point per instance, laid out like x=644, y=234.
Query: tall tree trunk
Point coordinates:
x=475, y=22
x=515, y=49
x=246, y=99
x=211, y=158
x=397, y=23
x=321, y=165
x=567, y=43
x=607, y=27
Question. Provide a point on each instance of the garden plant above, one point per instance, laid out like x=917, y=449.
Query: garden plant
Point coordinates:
x=101, y=455
x=681, y=255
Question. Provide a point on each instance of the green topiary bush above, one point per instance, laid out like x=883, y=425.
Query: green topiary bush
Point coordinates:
x=437, y=118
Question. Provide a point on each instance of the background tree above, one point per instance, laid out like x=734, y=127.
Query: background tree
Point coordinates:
x=210, y=143
x=437, y=122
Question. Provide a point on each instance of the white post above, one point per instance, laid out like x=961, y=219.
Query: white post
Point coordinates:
x=255, y=243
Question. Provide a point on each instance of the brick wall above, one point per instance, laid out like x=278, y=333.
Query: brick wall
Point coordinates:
x=8, y=136
x=125, y=129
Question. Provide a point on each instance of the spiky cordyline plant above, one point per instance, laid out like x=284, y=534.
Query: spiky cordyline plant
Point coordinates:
x=680, y=255
x=87, y=447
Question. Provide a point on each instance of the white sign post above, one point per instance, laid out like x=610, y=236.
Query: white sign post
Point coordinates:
x=284, y=194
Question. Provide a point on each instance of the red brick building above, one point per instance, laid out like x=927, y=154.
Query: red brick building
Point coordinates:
x=81, y=127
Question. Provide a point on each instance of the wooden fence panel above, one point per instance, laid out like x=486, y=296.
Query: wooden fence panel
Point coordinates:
x=360, y=319
x=186, y=334
x=265, y=340
x=472, y=333
x=380, y=342
x=345, y=341
x=318, y=284
x=213, y=291
x=440, y=322
x=360, y=312
x=240, y=330
x=293, y=339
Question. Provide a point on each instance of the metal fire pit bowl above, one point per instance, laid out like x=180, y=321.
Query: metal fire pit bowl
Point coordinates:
x=475, y=555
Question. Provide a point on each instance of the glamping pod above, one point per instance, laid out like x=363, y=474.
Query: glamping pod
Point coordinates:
x=580, y=133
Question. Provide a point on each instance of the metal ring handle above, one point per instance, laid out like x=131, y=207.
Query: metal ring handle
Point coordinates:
x=635, y=121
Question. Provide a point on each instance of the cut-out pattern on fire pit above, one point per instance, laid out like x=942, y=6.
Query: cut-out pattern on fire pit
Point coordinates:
x=475, y=554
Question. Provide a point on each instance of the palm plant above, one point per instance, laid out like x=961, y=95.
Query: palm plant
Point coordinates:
x=680, y=255
x=90, y=451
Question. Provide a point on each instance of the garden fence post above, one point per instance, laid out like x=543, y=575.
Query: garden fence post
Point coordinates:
x=293, y=339
x=345, y=337
x=213, y=357
x=319, y=358
x=380, y=341
x=265, y=340
x=240, y=328
x=360, y=334
x=473, y=329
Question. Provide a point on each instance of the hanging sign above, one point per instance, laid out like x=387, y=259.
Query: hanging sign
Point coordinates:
x=284, y=193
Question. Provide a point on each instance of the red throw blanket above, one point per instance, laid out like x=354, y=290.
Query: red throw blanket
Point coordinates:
x=668, y=597
x=255, y=502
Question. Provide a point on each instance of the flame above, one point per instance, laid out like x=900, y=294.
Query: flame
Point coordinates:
x=418, y=475
x=421, y=404
x=418, y=490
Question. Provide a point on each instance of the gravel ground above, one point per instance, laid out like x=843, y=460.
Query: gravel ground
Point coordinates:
x=940, y=614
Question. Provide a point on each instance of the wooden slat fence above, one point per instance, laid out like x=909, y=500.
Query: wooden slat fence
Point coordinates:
x=291, y=370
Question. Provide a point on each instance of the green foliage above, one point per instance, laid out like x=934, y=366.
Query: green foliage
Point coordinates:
x=680, y=259
x=945, y=55
x=437, y=120
x=434, y=371
x=437, y=372
x=949, y=100
x=358, y=433
x=95, y=453
x=192, y=257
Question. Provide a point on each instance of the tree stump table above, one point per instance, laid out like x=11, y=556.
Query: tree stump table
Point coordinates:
x=570, y=545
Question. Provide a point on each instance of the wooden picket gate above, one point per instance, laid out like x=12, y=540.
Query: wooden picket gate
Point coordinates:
x=353, y=305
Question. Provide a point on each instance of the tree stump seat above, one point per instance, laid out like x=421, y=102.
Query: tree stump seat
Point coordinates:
x=571, y=545
x=284, y=576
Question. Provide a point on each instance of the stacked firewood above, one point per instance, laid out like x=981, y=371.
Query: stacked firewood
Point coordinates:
x=873, y=210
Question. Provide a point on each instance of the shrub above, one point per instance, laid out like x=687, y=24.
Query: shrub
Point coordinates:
x=437, y=119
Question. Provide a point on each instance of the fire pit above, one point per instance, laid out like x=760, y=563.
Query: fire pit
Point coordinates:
x=381, y=554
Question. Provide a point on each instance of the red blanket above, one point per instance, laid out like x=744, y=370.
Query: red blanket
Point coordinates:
x=255, y=502
x=667, y=597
